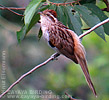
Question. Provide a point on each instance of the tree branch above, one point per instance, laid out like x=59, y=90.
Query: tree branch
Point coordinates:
x=58, y=4
x=54, y=56
x=93, y=28
x=11, y=10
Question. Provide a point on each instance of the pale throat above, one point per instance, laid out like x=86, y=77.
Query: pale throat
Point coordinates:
x=45, y=21
x=44, y=27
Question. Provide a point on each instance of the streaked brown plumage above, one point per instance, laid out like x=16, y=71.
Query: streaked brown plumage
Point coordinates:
x=65, y=41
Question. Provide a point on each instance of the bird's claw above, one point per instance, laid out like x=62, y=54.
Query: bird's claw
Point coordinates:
x=55, y=55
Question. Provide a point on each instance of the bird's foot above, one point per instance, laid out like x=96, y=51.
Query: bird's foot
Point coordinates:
x=55, y=55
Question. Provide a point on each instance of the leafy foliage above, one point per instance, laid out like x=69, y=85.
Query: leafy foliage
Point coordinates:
x=40, y=33
x=70, y=16
x=25, y=29
x=74, y=21
x=87, y=1
x=61, y=15
x=90, y=19
x=100, y=14
x=31, y=17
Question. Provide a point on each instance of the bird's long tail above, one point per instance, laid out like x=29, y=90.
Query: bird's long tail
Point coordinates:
x=84, y=67
x=79, y=53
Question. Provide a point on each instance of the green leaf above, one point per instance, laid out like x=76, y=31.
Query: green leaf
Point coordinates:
x=60, y=15
x=69, y=24
x=74, y=24
x=26, y=28
x=34, y=20
x=87, y=1
x=30, y=11
x=65, y=14
x=100, y=14
x=57, y=1
x=90, y=19
x=76, y=14
x=40, y=34
x=52, y=7
x=67, y=19
x=21, y=34
x=44, y=7
x=30, y=19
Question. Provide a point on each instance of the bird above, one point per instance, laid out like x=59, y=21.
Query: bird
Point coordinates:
x=64, y=41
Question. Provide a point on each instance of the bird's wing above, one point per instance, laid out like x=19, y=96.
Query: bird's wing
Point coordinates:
x=63, y=41
x=59, y=24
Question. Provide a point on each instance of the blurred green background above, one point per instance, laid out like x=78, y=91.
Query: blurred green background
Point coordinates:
x=55, y=78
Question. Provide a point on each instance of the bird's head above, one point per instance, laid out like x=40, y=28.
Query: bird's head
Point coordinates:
x=48, y=12
x=48, y=15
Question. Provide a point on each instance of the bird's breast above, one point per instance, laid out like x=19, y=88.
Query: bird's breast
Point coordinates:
x=45, y=33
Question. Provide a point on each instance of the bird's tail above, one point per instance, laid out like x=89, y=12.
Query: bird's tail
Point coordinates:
x=79, y=53
x=80, y=56
x=84, y=67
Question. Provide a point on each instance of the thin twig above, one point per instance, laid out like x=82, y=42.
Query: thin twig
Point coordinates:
x=11, y=10
x=93, y=28
x=57, y=4
x=29, y=72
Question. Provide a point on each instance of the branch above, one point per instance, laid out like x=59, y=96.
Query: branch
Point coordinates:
x=14, y=8
x=93, y=28
x=54, y=56
x=58, y=4
x=11, y=10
